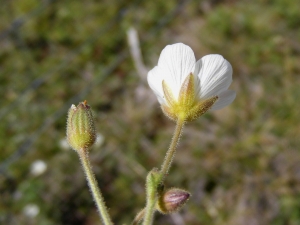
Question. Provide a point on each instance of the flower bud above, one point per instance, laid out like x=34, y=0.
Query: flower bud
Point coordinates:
x=172, y=200
x=81, y=133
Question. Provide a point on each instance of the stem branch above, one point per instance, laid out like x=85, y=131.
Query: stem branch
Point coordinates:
x=138, y=217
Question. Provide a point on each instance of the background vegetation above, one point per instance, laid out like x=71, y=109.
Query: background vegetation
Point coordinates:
x=241, y=164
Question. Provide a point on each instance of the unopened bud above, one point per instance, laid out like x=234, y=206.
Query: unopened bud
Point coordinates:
x=172, y=200
x=81, y=133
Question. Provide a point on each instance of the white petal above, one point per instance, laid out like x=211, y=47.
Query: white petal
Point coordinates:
x=225, y=98
x=215, y=75
x=177, y=62
x=198, y=66
x=155, y=78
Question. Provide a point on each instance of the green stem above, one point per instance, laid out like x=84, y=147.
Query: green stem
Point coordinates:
x=150, y=209
x=152, y=191
x=172, y=149
x=150, y=206
x=83, y=155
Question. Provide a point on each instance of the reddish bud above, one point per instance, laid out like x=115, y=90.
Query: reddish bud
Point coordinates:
x=172, y=200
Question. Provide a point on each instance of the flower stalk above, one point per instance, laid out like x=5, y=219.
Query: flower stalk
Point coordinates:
x=155, y=179
x=172, y=149
x=83, y=155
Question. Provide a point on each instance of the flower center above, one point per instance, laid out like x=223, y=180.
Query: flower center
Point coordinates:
x=188, y=107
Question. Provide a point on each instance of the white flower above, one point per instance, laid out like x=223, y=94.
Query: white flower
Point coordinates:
x=31, y=210
x=211, y=77
x=38, y=167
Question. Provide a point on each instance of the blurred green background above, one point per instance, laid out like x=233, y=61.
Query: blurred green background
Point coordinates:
x=241, y=163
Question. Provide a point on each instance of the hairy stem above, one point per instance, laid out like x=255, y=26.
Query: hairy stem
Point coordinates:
x=150, y=206
x=83, y=155
x=172, y=149
x=152, y=192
